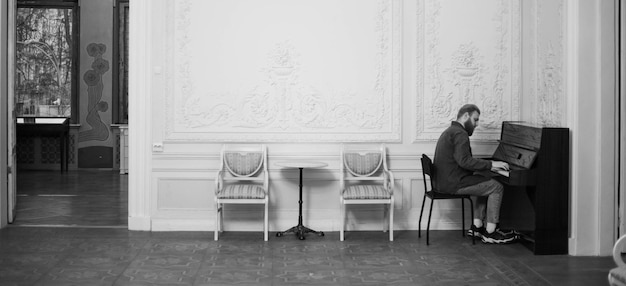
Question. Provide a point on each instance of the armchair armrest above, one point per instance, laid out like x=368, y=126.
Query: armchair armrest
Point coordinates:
x=617, y=251
x=389, y=181
x=266, y=182
x=219, y=181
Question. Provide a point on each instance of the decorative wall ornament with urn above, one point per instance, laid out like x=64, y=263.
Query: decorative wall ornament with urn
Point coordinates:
x=289, y=86
x=467, y=55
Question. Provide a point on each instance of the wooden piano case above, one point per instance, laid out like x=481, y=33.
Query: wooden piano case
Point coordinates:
x=536, y=199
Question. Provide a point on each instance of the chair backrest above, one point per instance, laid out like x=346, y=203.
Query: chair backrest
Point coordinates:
x=363, y=162
x=428, y=169
x=244, y=161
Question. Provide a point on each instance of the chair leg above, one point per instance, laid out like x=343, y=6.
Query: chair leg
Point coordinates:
x=217, y=221
x=430, y=213
x=265, y=222
x=385, y=218
x=221, y=218
x=463, y=217
x=342, y=209
x=419, y=223
x=391, y=220
x=472, y=214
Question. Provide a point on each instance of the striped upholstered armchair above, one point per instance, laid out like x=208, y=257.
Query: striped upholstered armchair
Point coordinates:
x=242, y=179
x=365, y=179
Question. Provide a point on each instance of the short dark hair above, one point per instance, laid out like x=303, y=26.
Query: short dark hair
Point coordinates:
x=469, y=108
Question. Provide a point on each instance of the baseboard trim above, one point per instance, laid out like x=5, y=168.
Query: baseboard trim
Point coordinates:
x=139, y=223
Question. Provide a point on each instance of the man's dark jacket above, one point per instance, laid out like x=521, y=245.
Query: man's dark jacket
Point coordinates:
x=454, y=164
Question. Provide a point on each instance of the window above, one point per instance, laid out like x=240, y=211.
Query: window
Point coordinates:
x=47, y=59
x=120, y=82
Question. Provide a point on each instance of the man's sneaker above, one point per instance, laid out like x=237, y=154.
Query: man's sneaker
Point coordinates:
x=476, y=231
x=497, y=237
x=510, y=232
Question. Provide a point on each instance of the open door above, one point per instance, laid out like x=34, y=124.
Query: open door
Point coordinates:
x=621, y=99
x=11, y=137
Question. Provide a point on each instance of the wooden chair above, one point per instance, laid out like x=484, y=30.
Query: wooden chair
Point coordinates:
x=365, y=179
x=433, y=194
x=242, y=179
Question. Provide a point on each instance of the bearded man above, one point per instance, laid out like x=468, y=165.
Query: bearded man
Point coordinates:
x=455, y=173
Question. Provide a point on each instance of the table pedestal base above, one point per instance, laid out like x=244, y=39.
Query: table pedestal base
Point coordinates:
x=300, y=231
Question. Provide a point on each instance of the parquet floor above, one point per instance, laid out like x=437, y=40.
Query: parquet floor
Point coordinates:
x=77, y=198
x=80, y=249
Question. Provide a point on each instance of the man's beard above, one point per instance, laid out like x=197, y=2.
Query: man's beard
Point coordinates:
x=469, y=127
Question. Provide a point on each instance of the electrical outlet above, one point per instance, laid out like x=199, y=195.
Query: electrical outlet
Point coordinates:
x=157, y=147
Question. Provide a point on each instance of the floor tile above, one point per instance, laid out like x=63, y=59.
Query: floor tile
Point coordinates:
x=157, y=276
x=309, y=277
x=239, y=260
x=80, y=276
x=234, y=276
x=104, y=252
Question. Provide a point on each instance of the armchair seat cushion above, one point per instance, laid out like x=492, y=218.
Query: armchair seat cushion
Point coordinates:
x=366, y=192
x=617, y=276
x=242, y=192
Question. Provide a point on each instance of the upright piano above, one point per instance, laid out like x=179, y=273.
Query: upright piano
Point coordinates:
x=536, y=198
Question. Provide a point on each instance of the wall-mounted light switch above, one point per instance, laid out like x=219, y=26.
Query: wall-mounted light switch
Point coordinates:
x=157, y=147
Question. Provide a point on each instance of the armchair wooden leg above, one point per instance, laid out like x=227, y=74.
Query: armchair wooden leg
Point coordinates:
x=265, y=223
x=385, y=218
x=217, y=221
x=221, y=229
x=391, y=220
x=342, y=209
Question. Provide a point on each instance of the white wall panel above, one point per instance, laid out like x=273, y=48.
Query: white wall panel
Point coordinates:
x=284, y=71
x=184, y=194
x=467, y=52
x=184, y=201
x=548, y=102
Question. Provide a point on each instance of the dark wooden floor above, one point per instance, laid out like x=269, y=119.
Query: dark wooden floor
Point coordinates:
x=77, y=198
x=82, y=249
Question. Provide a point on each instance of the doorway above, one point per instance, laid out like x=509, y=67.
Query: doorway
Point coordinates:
x=93, y=196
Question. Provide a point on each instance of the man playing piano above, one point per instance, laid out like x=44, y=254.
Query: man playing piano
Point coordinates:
x=455, y=173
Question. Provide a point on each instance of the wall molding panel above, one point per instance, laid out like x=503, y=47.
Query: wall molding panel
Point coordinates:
x=467, y=53
x=184, y=193
x=548, y=100
x=245, y=75
x=187, y=194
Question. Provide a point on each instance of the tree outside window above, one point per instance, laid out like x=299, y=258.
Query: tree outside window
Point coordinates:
x=44, y=61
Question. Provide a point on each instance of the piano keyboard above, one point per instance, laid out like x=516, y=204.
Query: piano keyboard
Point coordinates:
x=503, y=173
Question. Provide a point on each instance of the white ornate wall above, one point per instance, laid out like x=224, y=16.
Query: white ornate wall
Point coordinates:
x=304, y=77
x=546, y=56
x=468, y=52
x=284, y=71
